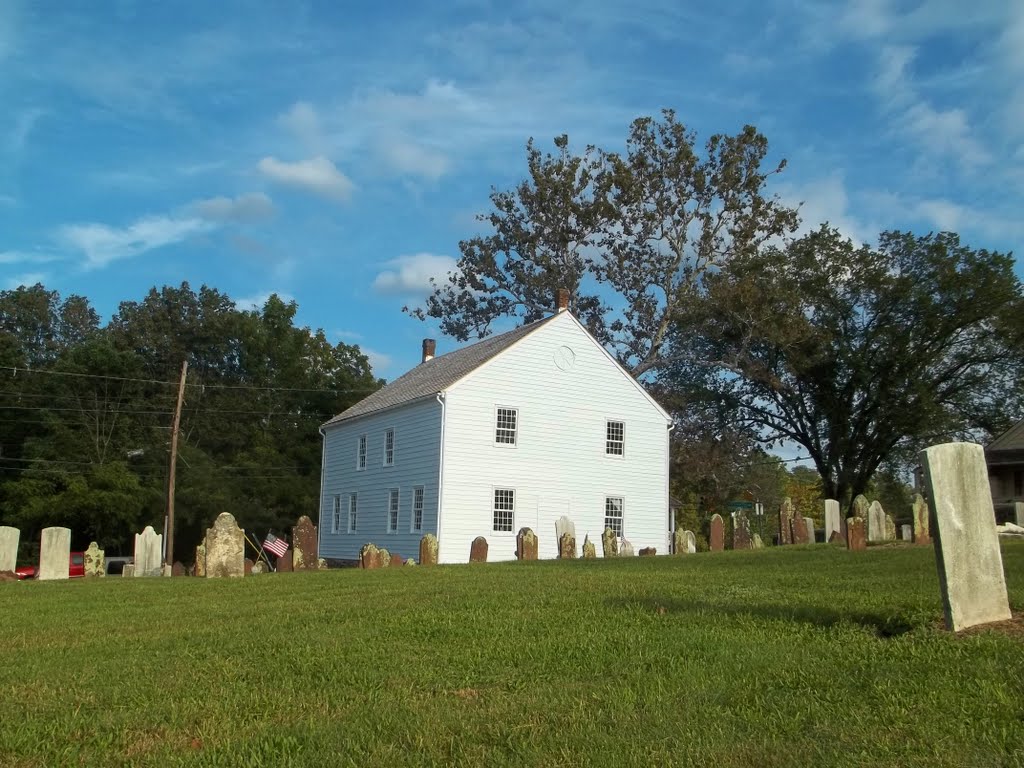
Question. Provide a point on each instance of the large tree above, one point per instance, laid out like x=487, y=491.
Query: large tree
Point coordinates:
x=860, y=355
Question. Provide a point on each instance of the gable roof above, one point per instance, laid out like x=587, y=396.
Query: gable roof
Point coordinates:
x=1011, y=440
x=438, y=374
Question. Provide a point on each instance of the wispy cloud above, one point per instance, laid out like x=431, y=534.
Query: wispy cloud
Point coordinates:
x=26, y=257
x=102, y=244
x=27, y=279
x=379, y=361
x=411, y=275
x=253, y=207
x=319, y=176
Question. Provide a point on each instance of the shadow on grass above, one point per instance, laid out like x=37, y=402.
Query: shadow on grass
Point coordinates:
x=884, y=626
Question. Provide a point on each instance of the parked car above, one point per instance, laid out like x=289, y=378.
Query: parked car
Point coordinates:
x=76, y=567
x=115, y=565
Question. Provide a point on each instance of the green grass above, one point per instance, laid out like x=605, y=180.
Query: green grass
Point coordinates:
x=784, y=657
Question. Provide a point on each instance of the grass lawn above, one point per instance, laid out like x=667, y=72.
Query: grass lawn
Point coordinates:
x=782, y=657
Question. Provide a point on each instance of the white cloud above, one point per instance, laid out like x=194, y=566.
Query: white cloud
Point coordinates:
x=348, y=335
x=412, y=158
x=320, y=176
x=25, y=257
x=253, y=207
x=823, y=200
x=27, y=279
x=102, y=244
x=304, y=122
x=410, y=275
x=257, y=300
x=379, y=361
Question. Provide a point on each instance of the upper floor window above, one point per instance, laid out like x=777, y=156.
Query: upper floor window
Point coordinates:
x=336, y=516
x=393, y=510
x=507, y=421
x=353, y=504
x=389, y=448
x=504, y=508
x=417, y=509
x=615, y=438
x=361, y=453
x=613, y=506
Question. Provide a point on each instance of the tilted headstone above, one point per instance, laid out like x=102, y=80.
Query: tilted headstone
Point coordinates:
x=225, y=548
x=428, y=550
x=304, y=545
x=876, y=522
x=833, y=518
x=837, y=537
x=609, y=543
x=890, y=528
x=526, y=544
x=921, y=525
x=799, y=530
x=907, y=532
x=648, y=551
x=786, y=521
x=756, y=542
x=856, y=534
x=54, y=553
x=678, y=542
x=741, y=532
x=564, y=525
x=95, y=563
x=200, y=566
x=861, y=507
x=809, y=523
x=589, y=550
x=567, y=546
x=283, y=564
x=369, y=557
x=8, y=548
x=966, y=543
x=178, y=569
x=717, y=538
x=478, y=550
x=691, y=543
x=626, y=548
x=149, y=552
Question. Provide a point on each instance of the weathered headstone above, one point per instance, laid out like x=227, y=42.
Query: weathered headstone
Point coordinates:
x=248, y=566
x=54, y=553
x=609, y=543
x=260, y=566
x=385, y=558
x=321, y=563
x=369, y=556
x=756, y=542
x=717, y=538
x=906, y=532
x=178, y=569
x=890, y=528
x=567, y=546
x=396, y=561
x=876, y=522
x=678, y=542
x=410, y=562
x=128, y=571
x=691, y=543
x=626, y=548
x=225, y=548
x=564, y=525
x=478, y=550
x=921, y=527
x=526, y=544
x=428, y=550
x=9, y=547
x=832, y=518
x=786, y=521
x=741, y=532
x=799, y=530
x=856, y=535
x=95, y=563
x=589, y=550
x=149, y=552
x=648, y=551
x=809, y=523
x=200, y=567
x=837, y=537
x=1018, y=512
x=304, y=545
x=283, y=564
x=861, y=507
x=966, y=543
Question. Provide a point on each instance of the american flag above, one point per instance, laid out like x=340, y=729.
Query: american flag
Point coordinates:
x=275, y=545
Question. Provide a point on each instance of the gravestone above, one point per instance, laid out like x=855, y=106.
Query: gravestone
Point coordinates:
x=54, y=553
x=967, y=551
x=876, y=522
x=809, y=523
x=799, y=531
x=149, y=552
x=741, y=532
x=260, y=566
x=567, y=547
x=907, y=532
x=321, y=564
x=861, y=507
x=8, y=548
x=717, y=539
x=95, y=563
x=369, y=557
x=304, y=545
x=526, y=544
x=678, y=542
x=626, y=549
x=410, y=562
x=1018, y=512
x=890, y=528
x=428, y=550
x=385, y=558
x=691, y=543
x=837, y=537
x=756, y=542
x=589, y=550
x=921, y=526
x=856, y=535
x=248, y=566
x=129, y=570
x=478, y=550
x=396, y=561
x=225, y=548
x=178, y=569
x=609, y=544
x=648, y=551
x=832, y=518
x=200, y=569
x=283, y=564
x=564, y=525
x=786, y=521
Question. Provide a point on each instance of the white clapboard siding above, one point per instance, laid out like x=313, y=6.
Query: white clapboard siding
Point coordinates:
x=417, y=438
x=558, y=466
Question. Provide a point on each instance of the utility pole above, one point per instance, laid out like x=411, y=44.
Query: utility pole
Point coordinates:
x=169, y=549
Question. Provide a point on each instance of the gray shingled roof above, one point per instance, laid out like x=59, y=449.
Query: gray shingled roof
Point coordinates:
x=433, y=376
x=1011, y=440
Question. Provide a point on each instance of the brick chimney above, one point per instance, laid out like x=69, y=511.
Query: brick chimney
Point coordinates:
x=562, y=299
x=429, y=345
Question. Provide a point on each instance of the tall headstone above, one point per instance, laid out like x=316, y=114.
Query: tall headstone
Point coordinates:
x=149, y=552
x=856, y=535
x=225, y=548
x=589, y=550
x=809, y=524
x=200, y=567
x=95, y=563
x=54, y=553
x=860, y=507
x=717, y=538
x=369, y=557
x=478, y=550
x=8, y=548
x=966, y=543
x=907, y=533
x=564, y=525
x=799, y=533
x=691, y=543
x=741, y=532
x=890, y=528
x=609, y=543
x=304, y=545
x=428, y=550
x=832, y=518
x=526, y=544
x=567, y=547
x=385, y=558
x=786, y=521
x=876, y=522
x=921, y=525
x=1018, y=512
x=678, y=542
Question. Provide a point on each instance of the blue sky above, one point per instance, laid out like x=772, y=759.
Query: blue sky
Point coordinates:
x=336, y=153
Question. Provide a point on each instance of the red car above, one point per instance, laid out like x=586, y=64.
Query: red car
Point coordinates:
x=76, y=567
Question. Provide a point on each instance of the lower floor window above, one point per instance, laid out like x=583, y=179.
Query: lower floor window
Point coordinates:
x=353, y=509
x=393, y=511
x=613, y=514
x=417, y=509
x=504, y=508
x=336, y=516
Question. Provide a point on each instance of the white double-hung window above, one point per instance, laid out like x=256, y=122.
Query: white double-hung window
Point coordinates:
x=417, y=509
x=613, y=514
x=615, y=438
x=389, y=448
x=506, y=425
x=504, y=508
x=393, y=510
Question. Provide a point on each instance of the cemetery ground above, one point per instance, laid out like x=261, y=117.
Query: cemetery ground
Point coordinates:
x=792, y=656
